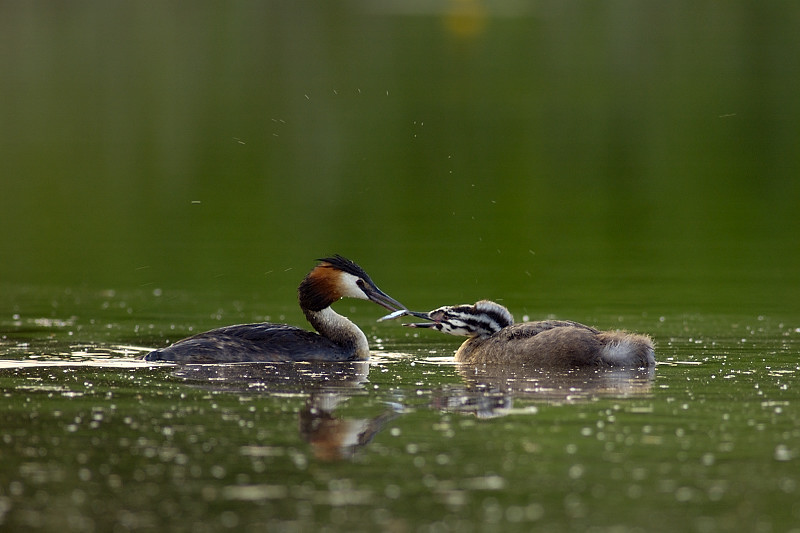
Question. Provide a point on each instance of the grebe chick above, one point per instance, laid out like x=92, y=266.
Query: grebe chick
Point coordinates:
x=338, y=339
x=495, y=338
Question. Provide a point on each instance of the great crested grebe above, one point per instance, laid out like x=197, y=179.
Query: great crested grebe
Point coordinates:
x=495, y=338
x=338, y=339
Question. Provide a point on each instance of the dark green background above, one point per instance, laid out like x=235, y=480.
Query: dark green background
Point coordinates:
x=535, y=152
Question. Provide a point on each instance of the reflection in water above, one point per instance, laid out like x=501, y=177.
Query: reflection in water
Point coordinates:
x=333, y=437
x=489, y=390
x=328, y=385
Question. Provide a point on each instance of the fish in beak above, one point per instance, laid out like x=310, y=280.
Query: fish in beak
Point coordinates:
x=407, y=312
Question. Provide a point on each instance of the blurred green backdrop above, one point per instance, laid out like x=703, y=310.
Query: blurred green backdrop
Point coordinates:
x=559, y=155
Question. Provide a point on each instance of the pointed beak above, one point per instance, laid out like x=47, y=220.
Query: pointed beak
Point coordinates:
x=425, y=316
x=381, y=298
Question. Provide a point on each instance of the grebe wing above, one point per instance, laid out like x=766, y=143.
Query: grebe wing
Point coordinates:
x=252, y=342
x=261, y=332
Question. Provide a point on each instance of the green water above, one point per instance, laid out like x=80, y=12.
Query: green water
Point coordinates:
x=167, y=169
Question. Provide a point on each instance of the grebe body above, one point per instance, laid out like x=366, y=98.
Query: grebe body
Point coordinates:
x=495, y=338
x=338, y=339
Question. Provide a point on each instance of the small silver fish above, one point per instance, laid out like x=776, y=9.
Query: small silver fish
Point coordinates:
x=395, y=314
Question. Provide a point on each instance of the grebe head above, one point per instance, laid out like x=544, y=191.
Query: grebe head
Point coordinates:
x=337, y=277
x=483, y=319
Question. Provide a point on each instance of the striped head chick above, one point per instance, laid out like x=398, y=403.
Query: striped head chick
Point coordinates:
x=482, y=320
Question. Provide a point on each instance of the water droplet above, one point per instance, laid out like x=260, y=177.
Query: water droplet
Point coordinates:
x=783, y=453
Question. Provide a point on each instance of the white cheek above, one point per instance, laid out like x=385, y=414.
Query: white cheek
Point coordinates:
x=452, y=329
x=349, y=287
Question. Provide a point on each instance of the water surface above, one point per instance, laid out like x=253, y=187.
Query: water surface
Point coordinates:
x=96, y=440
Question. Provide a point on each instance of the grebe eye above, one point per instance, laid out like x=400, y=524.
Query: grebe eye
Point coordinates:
x=360, y=283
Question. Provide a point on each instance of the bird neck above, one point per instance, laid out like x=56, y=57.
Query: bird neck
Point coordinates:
x=340, y=330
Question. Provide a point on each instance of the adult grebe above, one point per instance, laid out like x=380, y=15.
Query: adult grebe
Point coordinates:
x=495, y=338
x=339, y=339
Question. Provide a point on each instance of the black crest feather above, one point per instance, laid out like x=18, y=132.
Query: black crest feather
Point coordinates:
x=346, y=265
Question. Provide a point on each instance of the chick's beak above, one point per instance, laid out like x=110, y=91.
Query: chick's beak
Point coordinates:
x=426, y=316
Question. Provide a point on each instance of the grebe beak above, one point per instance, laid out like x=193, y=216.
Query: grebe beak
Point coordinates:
x=376, y=295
